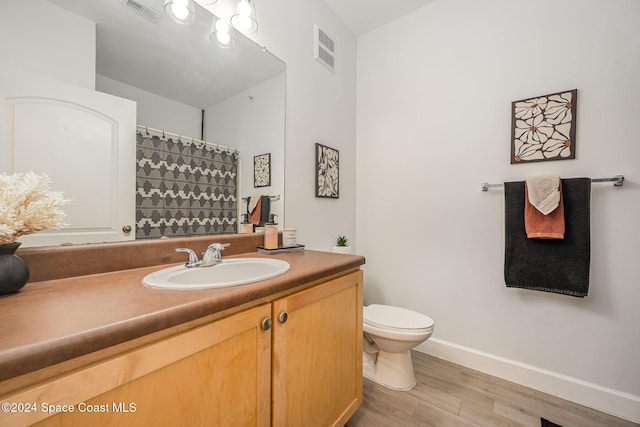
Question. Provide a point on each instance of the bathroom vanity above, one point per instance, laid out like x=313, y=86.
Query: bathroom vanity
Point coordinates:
x=102, y=349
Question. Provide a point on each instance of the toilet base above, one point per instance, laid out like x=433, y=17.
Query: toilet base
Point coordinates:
x=392, y=370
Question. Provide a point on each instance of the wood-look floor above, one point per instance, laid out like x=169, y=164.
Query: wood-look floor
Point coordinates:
x=451, y=395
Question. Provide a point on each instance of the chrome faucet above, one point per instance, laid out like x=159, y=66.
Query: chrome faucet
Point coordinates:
x=193, y=258
x=211, y=256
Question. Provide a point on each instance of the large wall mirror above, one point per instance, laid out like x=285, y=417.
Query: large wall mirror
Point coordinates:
x=186, y=84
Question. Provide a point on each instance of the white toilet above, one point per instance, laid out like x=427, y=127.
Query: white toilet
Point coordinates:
x=389, y=335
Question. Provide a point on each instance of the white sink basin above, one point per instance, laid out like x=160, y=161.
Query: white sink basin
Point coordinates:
x=230, y=272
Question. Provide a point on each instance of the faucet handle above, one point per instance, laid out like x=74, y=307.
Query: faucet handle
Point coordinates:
x=217, y=256
x=193, y=258
x=218, y=246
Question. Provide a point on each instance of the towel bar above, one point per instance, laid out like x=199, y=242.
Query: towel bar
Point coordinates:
x=273, y=198
x=618, y=181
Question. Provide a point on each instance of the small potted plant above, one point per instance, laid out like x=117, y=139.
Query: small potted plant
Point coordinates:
x=26, y=206
x=342, y=245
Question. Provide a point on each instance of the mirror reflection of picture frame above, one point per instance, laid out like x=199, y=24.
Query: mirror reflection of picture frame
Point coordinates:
x=262, y=170
x=327, y=172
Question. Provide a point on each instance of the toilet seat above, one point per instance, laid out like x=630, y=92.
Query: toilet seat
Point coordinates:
x=390, y=318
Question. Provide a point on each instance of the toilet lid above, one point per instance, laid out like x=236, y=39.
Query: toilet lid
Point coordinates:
x=387, y=316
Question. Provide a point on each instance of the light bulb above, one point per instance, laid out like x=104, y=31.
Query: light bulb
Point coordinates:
x=179, y=11
x=244, y=8
x=223, y=38
x=243, y=22
x=223, y=35
x=222, y=27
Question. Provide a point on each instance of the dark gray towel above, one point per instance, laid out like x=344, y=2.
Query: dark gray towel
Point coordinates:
x=560, y=266
x=265, y=210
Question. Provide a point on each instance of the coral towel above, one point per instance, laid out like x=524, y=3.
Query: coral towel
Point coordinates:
x=544, y=195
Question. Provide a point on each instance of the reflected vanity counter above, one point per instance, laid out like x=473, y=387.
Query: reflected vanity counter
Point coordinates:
x=83, y=299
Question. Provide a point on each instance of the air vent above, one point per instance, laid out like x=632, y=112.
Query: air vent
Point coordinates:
x=143, y=10
x=324, y=49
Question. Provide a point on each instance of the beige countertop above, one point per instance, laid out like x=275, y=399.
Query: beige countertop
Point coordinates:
x=52, y=321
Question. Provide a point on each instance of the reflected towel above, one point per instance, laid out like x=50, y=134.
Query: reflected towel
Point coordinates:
x=560, y=266
x=253, y=202
x=254, y=207
x=544, y=226
x=265, y=209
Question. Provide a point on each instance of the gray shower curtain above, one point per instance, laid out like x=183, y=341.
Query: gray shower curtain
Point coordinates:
x=184, y=188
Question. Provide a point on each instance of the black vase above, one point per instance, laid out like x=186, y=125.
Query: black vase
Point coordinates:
x=14, y=273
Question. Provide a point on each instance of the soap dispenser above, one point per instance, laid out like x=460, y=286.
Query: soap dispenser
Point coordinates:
x=245, y=226
x=271, y=233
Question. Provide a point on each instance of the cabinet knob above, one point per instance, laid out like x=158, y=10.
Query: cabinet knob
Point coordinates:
x=283, y=317
x=127, y=229
x=266, y=324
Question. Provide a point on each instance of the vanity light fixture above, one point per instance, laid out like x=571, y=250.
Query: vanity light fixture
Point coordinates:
x=180, y=11
x=222, y=35
x=244, y=21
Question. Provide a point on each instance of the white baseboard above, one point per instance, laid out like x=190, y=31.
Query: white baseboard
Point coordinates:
x=604, y=399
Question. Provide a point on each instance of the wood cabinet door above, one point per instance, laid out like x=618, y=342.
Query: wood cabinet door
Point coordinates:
x=317, y=354
x=215, y=375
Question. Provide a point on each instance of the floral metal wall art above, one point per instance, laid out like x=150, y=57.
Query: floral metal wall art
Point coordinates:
x=544, y=128
x=327, y=172
x=262, y=170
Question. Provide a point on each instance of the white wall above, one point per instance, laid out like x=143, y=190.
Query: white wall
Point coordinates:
x=253, y=122
x=434, y=103
x=50, y=42
x=320, y=107
x=156, y=111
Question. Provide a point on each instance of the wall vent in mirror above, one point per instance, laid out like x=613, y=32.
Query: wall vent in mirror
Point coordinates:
x=143, y=10
x=324, y=48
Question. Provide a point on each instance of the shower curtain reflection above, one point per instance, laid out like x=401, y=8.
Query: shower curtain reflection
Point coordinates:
x=184, y=188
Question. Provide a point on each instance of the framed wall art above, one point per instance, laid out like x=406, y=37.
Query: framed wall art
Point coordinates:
x=544, y=128
x=327, y=172
x=262, y=170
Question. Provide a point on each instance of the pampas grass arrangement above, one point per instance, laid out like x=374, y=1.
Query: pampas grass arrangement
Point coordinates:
x=27, y=205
